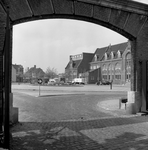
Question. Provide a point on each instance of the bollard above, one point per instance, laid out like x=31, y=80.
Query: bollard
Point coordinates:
x=122, y=100
x=110, y=85
x=119, y=103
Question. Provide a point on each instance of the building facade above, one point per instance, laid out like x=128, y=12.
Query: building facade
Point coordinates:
x=110, y=63
x=17, y=73
x=33, y=74
x=114, y=62
x=13, y=74
x=78, y=66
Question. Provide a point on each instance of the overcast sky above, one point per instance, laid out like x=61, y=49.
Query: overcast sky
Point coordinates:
x=49, y=43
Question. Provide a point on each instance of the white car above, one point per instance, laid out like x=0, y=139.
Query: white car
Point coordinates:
x=51, y=82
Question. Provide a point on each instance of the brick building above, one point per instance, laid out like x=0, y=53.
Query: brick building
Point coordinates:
x=78, y=66
x=111, y=63
x=33, y=74
x=114, y=63
x=17, y=73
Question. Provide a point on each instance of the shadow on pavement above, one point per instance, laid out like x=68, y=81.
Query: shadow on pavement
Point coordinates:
x=103, y=134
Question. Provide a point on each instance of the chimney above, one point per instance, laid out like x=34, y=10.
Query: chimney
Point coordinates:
x=35, y=66
x=70, y=57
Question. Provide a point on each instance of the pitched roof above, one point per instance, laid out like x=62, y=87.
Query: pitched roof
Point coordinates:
x=75, y=64
x=108, y=49
x=17, y=66
x=121, y=47
x=34, y=70
x=100, y=52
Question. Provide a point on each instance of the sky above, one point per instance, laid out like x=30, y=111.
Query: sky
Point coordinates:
x=50, y=42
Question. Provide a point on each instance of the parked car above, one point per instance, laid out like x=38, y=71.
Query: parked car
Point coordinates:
x=78, y=81
x=103, y=82
x=68, y=83
x=51, y=82
x=98, y=83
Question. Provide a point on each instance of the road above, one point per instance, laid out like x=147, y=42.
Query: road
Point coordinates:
x=70, y=119
x=62, y=105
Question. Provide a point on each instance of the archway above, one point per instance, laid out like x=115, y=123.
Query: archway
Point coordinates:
x=128, y=18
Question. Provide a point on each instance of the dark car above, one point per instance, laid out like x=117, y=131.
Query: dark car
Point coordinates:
x=103, y=82
x=98, y=83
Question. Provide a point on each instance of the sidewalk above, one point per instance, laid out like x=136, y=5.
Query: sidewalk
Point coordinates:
x=111, y=133
x=120, y=131
x=112, y=107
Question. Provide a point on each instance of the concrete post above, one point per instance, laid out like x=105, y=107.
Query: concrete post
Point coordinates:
x=133, y=105
x=13, y=111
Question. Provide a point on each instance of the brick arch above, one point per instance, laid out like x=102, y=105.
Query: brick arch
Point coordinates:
x=119, y=16
x=113, y=17
x=127, y=18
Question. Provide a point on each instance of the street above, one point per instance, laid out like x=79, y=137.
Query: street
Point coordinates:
x=59, y=105
x=71, y=119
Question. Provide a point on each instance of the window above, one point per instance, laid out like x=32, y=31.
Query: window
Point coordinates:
x=105, y=56
x=119, y=54
x=95, y=67
x=98, y=66
x=95, y=57
x=128, y=67
x=109, y=71
x=104, y=72
x=104, y=68
x=92, y=78
x=118, y=71
x=112, y=55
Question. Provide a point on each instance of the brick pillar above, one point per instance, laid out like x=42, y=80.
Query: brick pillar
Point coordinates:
x=133, y=105
x=142, y=82
x=13, y=110
x=133, y=66
x=139, y=81
x=2, y=37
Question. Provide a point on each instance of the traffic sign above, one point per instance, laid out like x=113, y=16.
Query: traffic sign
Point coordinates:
x=40, y=81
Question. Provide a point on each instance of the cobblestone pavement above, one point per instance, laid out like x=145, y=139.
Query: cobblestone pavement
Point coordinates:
x=115, y=131
x=108, y=133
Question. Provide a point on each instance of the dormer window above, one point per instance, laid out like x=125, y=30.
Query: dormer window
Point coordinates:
x=96, y=57
x=105, y=56
x=112, y=55
x=119, y=54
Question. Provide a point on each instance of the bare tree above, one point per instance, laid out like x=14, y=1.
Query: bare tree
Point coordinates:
x=51, y=73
